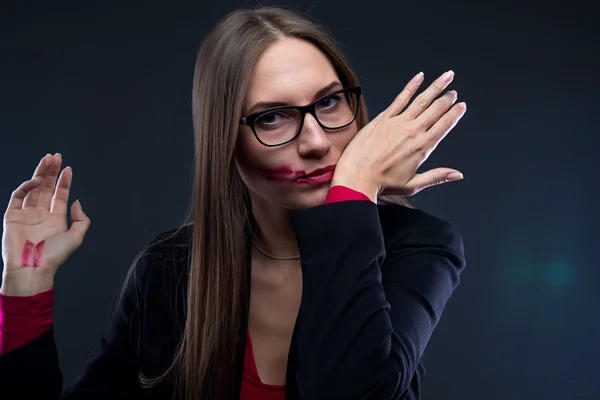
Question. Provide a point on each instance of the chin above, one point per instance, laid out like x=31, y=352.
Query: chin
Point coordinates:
x=309, y=198
x=293, y=199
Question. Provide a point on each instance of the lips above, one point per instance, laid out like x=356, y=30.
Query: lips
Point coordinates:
x=319, y=171
x=287, y=174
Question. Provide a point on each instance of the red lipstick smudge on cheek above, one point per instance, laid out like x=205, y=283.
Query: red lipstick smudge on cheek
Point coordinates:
x=32, y=254
x=282, y=174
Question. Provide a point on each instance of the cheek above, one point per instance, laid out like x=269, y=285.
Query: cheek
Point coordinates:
x=341, y=139
x=252, y=158
x=246, y=155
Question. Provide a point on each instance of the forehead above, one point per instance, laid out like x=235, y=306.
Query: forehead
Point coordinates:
x=290, y=70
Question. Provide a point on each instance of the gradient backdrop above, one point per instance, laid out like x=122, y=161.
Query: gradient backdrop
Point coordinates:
x=108, y=84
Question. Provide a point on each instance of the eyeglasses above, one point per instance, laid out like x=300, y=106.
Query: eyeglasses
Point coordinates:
x=280, y=125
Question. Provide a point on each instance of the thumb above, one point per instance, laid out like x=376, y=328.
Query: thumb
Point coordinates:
x=80, y=222
x=432, y=177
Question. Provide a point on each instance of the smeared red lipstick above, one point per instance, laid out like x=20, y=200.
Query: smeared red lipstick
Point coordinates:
x=283, y=171
x=287, y=174
x=319, y=171
x=32, y=254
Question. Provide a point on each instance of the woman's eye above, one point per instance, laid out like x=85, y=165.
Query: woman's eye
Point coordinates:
x=270, y=118
x=329, y=102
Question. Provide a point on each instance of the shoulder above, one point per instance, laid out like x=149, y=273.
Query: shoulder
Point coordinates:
x=165, y=256
x=170, y=243
x=414, y=227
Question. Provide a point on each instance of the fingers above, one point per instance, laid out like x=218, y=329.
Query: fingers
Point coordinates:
x=445, y=124
x=404, y=97
x=31, y=199
x=80, y=223
x=61, y=195
x=423, y=100
x=432, y=177
x=47, y=187
x=436, y=110
x=18, y=196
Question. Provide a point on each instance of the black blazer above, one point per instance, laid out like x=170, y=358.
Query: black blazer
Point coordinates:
x=376, y=279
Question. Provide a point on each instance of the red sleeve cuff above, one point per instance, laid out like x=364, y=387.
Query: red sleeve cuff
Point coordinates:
x=24, y=319
x=343, y=193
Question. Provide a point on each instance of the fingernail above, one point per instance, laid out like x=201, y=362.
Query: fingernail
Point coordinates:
x=454, y=176
x=77, y=201
x=447, y=76
x=418, y=77
x=454, y=93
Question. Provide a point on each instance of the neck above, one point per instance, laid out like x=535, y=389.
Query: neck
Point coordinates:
x=274, y=232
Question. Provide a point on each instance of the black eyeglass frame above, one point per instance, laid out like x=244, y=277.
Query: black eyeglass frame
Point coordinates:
x=309, y=108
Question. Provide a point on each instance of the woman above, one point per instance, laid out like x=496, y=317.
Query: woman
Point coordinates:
x=290, y=280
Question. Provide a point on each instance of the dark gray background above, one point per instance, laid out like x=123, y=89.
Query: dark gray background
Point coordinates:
x=109, y=85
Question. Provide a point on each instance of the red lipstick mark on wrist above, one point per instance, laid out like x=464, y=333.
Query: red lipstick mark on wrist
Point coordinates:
x=32, y=254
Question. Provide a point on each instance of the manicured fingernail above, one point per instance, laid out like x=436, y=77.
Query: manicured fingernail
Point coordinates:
x=418, y=77
x=454, y=176
x=447, y=76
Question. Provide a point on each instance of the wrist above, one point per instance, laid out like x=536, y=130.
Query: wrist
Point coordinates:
x=13, y=286
x=357, y=182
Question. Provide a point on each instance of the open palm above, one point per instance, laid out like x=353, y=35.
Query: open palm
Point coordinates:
x=36, y=240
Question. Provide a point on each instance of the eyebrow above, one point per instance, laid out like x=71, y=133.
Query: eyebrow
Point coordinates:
x=268, y=104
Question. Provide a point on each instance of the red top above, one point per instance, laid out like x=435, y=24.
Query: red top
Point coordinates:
x=25, y=318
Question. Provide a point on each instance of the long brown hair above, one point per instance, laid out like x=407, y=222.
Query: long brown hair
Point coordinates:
x=205, y=362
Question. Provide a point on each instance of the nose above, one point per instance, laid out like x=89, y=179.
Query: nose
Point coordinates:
x=313, y=141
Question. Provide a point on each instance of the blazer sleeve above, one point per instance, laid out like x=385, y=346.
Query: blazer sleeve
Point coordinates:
x=32, y=371
x=369, y=303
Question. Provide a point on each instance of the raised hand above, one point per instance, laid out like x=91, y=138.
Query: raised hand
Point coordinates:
x=35, y=239
x=384, y=156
